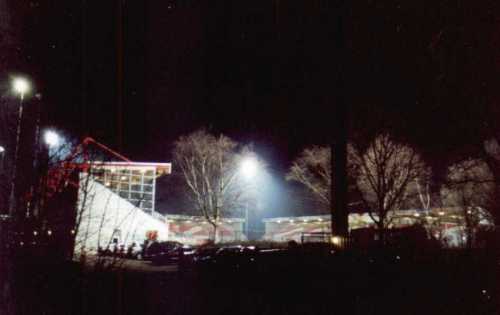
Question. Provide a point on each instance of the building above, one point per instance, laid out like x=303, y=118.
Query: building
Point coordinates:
x=115, y=204
x=446, y=224
x=135, y=182
x=195, y=230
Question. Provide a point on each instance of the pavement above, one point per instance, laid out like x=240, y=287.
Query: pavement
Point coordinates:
x=132, y=264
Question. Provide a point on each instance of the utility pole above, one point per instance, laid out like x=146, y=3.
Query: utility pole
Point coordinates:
x=340, y=215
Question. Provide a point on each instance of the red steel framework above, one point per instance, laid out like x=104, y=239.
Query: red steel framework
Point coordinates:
x=59, y=177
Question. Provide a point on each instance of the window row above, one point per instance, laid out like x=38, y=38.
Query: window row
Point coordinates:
x=127, y=187
x=137, y=196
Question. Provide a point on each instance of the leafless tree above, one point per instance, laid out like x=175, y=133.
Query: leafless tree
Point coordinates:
x=420, y=192
x=491, y=156
x=384, y=172
x=469, y=186
x=313, y=170
x=209, y=165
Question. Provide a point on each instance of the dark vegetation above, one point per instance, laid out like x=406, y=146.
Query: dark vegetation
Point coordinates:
x=304, y=279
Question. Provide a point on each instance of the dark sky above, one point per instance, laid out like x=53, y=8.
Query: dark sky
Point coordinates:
x=263, y=71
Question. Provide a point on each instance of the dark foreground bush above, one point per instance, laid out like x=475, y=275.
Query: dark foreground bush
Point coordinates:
x=298, y=282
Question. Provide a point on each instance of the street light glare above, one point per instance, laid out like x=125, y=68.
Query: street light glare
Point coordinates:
x=51, y=138
x=249, y=167
x=20, y=85
x=2, y=149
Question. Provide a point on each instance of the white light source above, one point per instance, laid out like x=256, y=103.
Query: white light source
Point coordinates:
x=51, y=138
x=249, y=167
x=336, y=240
x=20, y=86
x=2, y=149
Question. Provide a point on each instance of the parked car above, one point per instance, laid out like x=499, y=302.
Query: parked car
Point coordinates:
x=134, y=251
x=228, y=257
x=166, y=252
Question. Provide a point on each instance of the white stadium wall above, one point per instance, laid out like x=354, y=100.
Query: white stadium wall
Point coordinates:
x=447, y=223
x=195, y=230
x=102, y=216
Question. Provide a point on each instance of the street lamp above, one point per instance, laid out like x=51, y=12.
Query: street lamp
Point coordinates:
x=20, y=86
x=51, y=138
x=248, y=169
x=2, y=154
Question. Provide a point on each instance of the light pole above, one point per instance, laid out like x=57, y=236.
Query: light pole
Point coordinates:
x=2, y=154
x=248, y=169
x=20, y=86
x=52, y=140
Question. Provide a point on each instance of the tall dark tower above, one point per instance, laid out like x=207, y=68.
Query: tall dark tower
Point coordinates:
x=340, y=215
x=119, y=74
x=84, y=109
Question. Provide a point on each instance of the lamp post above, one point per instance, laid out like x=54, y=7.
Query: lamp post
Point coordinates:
x=248, y=169
x=2, y=154
x=20, y=86
x=52, y=140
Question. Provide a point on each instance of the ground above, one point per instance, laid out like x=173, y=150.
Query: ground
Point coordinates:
x=447, y=283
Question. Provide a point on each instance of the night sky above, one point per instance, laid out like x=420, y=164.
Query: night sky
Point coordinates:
x=261, y=71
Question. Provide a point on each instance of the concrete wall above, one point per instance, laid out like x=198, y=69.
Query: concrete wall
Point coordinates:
x=195, y=230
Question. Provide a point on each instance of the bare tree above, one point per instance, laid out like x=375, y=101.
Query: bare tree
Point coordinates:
x=420, y=193
x=469, y=187
x=209, y=165
x=384, y=172
x=491, y=156
x=313, y=170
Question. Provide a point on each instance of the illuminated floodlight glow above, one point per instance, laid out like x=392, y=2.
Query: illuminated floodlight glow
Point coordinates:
x=52, y=139
x=336, y=240
x=20, y=86
x=249, y=167
x=2, y=149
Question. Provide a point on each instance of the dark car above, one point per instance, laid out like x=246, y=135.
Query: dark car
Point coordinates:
x=204, y=255
x=172, y=253
x=227, y=258
x=156, y=249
